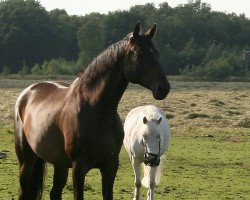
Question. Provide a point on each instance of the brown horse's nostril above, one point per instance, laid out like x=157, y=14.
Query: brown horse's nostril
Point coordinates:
x=163, y=89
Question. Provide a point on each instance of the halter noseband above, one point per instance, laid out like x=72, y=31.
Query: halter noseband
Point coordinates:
x=150, y=159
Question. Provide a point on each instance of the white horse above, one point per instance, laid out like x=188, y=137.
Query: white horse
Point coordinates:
x=147, y=137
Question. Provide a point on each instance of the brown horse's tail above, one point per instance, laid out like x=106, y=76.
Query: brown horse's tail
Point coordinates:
x=37, y=178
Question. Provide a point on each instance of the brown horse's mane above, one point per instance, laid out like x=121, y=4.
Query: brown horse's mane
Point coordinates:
x=102, y=63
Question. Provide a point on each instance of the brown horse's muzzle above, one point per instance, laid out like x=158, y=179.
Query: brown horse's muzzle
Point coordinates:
x=161, y=91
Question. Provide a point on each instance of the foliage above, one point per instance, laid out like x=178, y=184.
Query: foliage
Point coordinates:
x=29, y=34
x=90, y=38
x=24, y=71
x=6, y=71
x=189, y=36
x=56, y=67
x=218, y=64
x=218, y=69
x=36, y=70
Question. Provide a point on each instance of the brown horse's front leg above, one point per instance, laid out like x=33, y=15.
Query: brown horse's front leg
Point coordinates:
x=108, y=172
x=78, y=174
x=59, y=181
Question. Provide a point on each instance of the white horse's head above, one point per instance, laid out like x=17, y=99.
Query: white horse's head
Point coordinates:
x=151, y=138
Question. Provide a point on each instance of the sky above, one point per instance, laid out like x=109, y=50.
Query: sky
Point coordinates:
x=83, y=7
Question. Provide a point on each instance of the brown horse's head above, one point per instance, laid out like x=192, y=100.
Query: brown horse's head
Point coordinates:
x=142, y=65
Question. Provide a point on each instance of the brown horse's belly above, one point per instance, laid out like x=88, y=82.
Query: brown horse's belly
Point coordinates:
x=48, y=143
x=50, y=150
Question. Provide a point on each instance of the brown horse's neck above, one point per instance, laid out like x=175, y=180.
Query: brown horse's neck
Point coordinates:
x=102, y=84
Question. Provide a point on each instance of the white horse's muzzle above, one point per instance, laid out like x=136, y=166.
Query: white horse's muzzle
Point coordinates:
x=152, y=160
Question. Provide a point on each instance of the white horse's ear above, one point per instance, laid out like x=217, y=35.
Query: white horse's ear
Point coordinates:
x=159, y=120
x=145, y=120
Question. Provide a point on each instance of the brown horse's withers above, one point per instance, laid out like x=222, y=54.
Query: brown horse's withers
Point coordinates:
x=77, y=125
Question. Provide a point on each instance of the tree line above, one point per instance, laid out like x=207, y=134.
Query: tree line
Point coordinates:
x=193, y=39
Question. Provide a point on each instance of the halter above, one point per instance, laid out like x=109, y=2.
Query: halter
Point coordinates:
x=155, y=157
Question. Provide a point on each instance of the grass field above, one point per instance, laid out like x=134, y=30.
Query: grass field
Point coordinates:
x=209, y=156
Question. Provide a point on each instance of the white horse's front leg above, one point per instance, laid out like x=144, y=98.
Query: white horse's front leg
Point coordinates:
x=137, y=171
x=152, y=183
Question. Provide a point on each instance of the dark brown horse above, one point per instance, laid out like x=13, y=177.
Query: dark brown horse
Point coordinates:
x=78, y=125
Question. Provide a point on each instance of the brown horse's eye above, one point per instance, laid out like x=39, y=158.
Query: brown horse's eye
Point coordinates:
x=130, y=52
x=155, y=54
x=139, y=52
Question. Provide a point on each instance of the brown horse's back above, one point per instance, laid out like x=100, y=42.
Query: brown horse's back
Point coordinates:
x=35, y=114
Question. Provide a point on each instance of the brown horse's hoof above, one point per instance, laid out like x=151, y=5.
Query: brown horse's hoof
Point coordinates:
x=3, y=155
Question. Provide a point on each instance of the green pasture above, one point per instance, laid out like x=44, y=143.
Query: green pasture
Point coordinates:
x=209, y=156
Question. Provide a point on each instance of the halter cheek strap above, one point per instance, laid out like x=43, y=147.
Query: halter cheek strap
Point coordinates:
x=146, y=150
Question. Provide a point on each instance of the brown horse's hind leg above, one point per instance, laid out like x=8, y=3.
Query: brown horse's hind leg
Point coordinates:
x=25, y=172
x=60, y=179
x=31, y=171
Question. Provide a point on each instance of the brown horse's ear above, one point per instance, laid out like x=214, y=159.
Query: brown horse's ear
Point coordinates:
x=136, y=30
x=151, y=32
x=145, y=120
